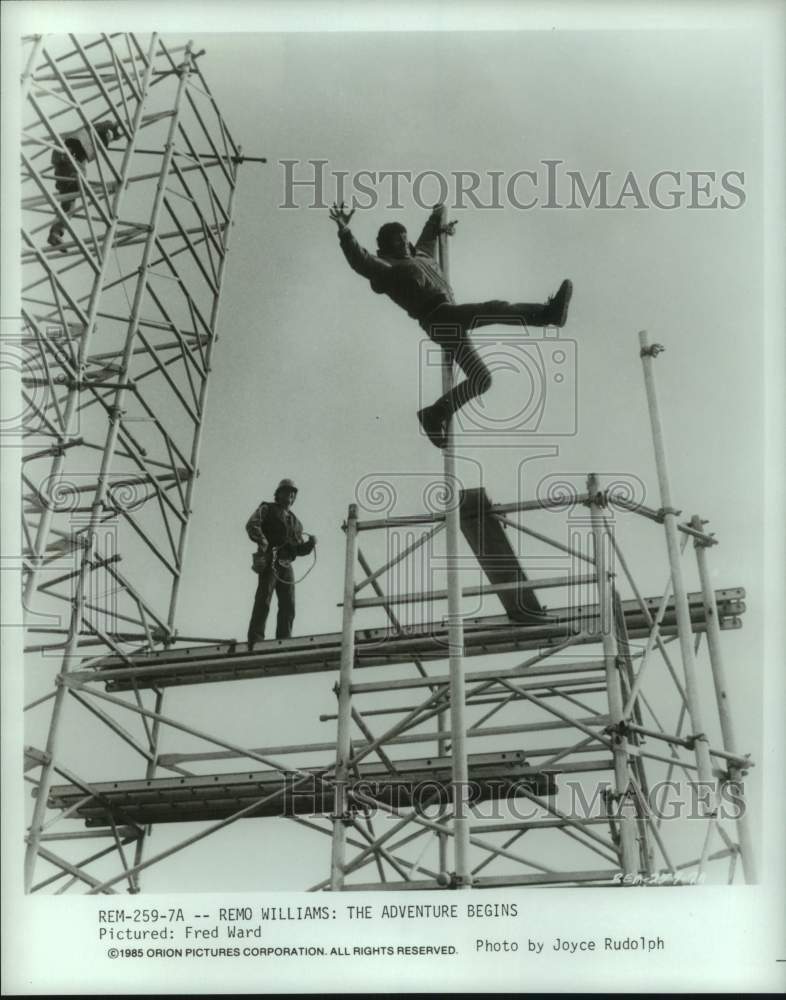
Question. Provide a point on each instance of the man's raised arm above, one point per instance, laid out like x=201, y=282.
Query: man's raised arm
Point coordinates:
x=427, y=241
x=359, y=260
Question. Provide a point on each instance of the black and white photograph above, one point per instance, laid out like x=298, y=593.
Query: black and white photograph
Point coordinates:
x=392, y=498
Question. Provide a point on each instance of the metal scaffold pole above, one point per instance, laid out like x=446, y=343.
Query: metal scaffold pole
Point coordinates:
x=97, y=507
x=39, y=811
x=114, y=371
x=721, y=688
x=460, y=771
x=606, y=624
x=72, y=404
x=701, y=744
x=343, y=740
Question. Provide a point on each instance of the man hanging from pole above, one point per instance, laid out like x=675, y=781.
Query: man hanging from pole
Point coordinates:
x=278, y=535
x=412, y=278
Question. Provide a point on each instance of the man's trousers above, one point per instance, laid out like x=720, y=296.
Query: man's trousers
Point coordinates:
x=280, y=579
x=449, y=325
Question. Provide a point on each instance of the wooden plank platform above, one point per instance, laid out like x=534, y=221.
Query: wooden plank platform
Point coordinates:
x=489, y=541
x=218, y=796
x=383, y=646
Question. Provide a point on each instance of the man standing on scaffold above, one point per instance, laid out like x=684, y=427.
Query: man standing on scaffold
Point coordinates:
x=412, y=278
x=278, y=535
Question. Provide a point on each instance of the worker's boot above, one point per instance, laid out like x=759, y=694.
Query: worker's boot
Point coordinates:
x=434, y=421
x=555, y=312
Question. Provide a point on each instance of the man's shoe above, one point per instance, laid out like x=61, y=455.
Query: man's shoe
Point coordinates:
x=434, y=422
x=555, y=312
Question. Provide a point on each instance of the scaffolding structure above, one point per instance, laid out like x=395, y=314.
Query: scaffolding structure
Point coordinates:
x=585, y=742
x=594, y=758
x=129, y=174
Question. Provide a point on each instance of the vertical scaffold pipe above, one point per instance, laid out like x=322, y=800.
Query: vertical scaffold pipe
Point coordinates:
x=42, y=791
x=42, y=534
x=462, y=877
x=442, y=749
x=719, y=679
x=628, y=844
x=71, y=414
x=701, y=744
x=343, y=741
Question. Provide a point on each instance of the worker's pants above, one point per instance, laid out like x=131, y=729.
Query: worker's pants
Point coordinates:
x=282, y=580
x=449, y=326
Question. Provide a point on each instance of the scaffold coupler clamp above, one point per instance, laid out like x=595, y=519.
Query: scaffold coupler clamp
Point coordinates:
x=737, y=769
x=652, y=351
x=619, y=731
x=663, y=511
x=709, y=538
x=614, y=797
x=162, y=634
x=452, y=880
x=597, y=499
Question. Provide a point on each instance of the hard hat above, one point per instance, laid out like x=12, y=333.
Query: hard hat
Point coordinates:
x=286, y=484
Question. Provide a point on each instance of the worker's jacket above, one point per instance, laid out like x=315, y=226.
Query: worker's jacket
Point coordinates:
x=415, y=283
x=80, y=144
x=273, y=526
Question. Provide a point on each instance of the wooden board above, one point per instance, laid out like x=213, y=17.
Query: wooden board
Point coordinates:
x=489, y=542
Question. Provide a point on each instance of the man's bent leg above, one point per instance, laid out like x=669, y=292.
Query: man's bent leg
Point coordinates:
x=285, y=592
x=447, y=326
x=477, y=382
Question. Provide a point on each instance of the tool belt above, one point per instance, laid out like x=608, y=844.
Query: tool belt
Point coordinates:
x=259, y=560
x=281, y=556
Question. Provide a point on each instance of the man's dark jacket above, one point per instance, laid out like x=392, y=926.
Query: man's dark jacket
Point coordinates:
x=273, y=526
x=415, y=283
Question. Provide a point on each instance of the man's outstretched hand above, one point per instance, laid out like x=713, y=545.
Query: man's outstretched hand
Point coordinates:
x=449, y=228
x=340, y=215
